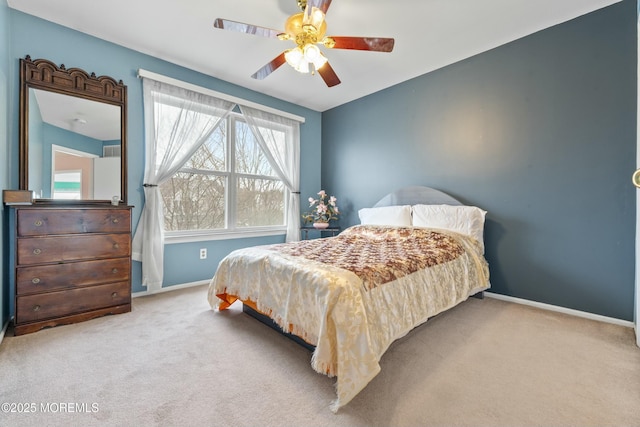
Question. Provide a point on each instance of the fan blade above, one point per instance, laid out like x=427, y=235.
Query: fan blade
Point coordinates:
x=361, y=43
x=225, y=24
x=328, y=75
x=323, y=5
x=270, y=67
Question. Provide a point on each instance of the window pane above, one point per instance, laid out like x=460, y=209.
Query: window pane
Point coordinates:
x=177, y=119
x=249, y=156
x=212, y=154
x=67, y=185
x=260, y=202
x=276, y=139
x=194, y=202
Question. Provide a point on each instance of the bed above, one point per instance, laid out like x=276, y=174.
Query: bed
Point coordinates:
x=416, y=253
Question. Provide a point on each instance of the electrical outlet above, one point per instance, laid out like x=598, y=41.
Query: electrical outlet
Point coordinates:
x=203, y=253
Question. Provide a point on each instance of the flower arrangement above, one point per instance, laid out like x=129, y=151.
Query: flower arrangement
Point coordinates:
x=325, y=209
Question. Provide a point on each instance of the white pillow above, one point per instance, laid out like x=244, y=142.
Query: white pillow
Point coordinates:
x=386, y=215
x=462, y=219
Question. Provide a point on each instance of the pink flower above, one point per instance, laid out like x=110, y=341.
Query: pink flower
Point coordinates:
x=324, y=211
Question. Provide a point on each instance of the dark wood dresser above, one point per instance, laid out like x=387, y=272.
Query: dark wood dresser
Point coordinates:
x=70, y=264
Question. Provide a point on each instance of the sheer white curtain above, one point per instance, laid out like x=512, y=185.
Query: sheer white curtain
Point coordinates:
x=177, y=122
x=283, y=155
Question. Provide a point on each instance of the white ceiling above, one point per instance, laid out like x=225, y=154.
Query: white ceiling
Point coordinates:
x=429, y=34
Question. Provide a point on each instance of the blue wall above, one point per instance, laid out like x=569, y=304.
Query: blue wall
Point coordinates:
x=43, y=39
x=5, y=149
x=540, y=132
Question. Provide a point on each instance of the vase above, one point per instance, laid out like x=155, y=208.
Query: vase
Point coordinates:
x=320, y=225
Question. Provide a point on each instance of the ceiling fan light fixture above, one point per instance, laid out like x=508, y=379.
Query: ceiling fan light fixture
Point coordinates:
x=318, y=63
x=296, y=58
x=302, y=67
x=300, y=57
x=313, y=55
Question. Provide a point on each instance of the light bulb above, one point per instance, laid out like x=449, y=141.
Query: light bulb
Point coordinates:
x=294, y=56
x=303, y=66
x=313, y=54
x=316, y=20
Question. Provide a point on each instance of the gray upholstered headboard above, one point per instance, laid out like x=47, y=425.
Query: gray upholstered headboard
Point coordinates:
x=415, y=195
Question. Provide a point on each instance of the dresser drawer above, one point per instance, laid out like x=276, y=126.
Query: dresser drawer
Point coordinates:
x=31, y=308
x=54, y=277
x=41, y=250
x=38, y=222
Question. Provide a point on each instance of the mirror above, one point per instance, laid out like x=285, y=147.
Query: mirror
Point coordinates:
x=72, y=134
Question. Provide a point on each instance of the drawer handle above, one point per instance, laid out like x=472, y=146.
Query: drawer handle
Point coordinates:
x=35, y=280
x=114, y=271
x=37, y=251
x=38, y=223
x=113, y=295
x=36, y=307
x=115, y=220
x=116, y=246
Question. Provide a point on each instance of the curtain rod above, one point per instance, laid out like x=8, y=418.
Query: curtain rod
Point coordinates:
x=204, y=90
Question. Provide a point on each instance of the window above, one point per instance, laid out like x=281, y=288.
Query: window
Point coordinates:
x=227, y=185
x=67, y=185
x=211, y=175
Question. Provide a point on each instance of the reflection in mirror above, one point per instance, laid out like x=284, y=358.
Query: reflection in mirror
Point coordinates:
x=73, y=134
x=74, y=147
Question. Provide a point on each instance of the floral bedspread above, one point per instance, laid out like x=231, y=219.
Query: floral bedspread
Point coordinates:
x=335, y=292
x=379, y=255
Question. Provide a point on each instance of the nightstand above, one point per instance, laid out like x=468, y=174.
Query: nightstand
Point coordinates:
x=322, y=232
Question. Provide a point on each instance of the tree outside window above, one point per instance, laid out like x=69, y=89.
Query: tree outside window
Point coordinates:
x=227, y=184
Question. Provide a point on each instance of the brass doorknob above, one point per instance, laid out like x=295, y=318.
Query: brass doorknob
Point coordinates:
x=635, y=178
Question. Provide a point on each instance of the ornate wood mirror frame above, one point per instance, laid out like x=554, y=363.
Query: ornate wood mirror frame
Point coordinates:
x=73, y=85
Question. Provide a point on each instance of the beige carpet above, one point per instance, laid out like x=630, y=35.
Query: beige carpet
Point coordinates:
x=173, y=361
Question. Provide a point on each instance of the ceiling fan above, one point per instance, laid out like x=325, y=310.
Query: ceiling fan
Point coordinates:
x=307, y=29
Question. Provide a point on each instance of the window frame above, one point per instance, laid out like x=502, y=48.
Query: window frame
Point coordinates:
x=230, y=197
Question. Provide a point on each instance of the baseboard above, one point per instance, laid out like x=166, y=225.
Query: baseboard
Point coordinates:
x=170, y=288
x=4, y=330
x=564, y=310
